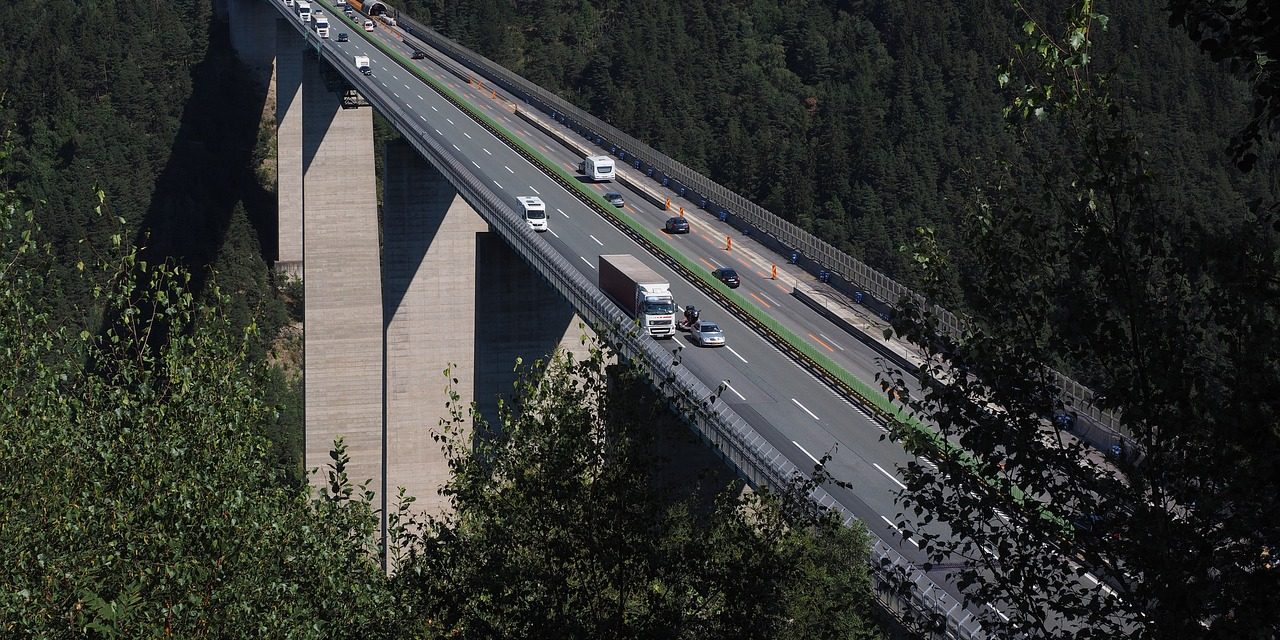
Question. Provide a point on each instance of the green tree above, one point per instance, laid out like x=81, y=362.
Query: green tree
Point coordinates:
x=139, y=497
x=1083, y=256
x=557, y=529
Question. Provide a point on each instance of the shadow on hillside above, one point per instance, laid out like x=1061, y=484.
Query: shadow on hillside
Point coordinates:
x=210, y=169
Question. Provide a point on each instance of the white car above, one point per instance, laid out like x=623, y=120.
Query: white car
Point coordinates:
x=535, y=212
x=707, y=334
x=368, y=25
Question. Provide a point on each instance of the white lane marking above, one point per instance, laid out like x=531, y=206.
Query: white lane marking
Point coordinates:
x=508, y=169
x=735, y=391
x=535, y=190
x=433, y=108
x=889, y=475
x=473, y=162
x=407, y=87
x=499, y=185
x=554, y=233
x=806, y=410
x=563, y=214
x=421, y=98
x=728, y=347
x=395, y=76
x=832, y=342
x=596, y=239
x=771, y=300
x=487, y=151
x=588, y=262
x=424, y=118
x=455, y=148
x=437, y=130
x=805, y=451
x=395, y=94
x=1006, y=618
x=451, y=121
x=467, y=135
x=895, y=528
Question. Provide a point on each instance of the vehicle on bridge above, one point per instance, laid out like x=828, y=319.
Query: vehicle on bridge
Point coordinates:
x=535, y=212
x=320, y=24
x=362, y=65
x=597, y=168
x=342, y=36
x=707, y=334
x=640, y=292
x=676, y=224
x=727, y=275
x=303, y=9
x=615, y=198
x=368, y=25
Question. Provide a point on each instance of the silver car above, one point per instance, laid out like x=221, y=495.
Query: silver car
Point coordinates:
x=707, y=334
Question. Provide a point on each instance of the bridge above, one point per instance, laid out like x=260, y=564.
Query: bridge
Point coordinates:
x=454, y=276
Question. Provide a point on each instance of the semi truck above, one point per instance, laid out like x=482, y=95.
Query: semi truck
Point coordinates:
x=303, y=9
x=320, y=24
x=640, y=292
x=598, y=168
x=362, y=65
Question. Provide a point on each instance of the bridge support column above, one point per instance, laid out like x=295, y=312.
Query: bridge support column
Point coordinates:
x=342, y=338
x=429, y=313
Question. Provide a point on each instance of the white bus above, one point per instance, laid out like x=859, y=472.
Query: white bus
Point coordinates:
x=303, y=9
x=320, y=24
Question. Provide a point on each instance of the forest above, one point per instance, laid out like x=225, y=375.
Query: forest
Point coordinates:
x=1110, y=210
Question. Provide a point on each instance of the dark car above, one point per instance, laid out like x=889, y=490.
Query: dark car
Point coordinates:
x=728, y=276
x=677, y=225
x=342, y=37
x=614, y=198
x=418, y=55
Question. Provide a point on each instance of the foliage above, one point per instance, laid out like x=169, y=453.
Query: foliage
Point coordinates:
x=557, y=529
x=1083, y=256
x=140, y=501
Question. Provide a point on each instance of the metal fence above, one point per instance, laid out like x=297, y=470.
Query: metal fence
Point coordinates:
x=720, y=200
x=738, y=442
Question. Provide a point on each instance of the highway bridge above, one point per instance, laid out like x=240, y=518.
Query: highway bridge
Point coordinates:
x=386, y=312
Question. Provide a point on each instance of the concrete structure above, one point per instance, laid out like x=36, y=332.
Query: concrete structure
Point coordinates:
x=429, y=275
x=342, y=338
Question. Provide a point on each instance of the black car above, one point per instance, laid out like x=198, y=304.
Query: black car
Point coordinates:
x=418, y=55
x=728, y=276
x=342, y=37
x=677, y=225
x=614, y=198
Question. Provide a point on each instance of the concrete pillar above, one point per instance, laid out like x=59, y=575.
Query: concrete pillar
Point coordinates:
x=429, y=277
x=342, y=340
x=289, y=181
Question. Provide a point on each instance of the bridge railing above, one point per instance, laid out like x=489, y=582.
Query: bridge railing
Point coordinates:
x=733, y=438
x=844, y=271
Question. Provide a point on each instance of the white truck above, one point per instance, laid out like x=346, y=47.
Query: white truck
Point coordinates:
x=362, y=65
x=641, y=292
x=320, y=24
x=598, y=168
x=303, y=9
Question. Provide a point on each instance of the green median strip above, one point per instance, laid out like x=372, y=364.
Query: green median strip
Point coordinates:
x=926, y=439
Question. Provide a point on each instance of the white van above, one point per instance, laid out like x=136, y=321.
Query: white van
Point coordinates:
x=368, y=25
x=535, y=213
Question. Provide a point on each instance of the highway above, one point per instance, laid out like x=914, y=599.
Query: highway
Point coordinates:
x=800, y=416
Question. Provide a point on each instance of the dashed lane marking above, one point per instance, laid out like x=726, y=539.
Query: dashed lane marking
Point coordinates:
x=498, y=183
x=744, y=360
x=889, y=475
x=486, y=151
x=805, y=451
x=832, y=342
x=566, y=216
x=508, y=169
x=596, y=239
x=455, y=148
x=760, y=300
x=806, y=410
x=819, y=341
x=588, y=262
x=467, y=135
x=735, y=391
x=531, y=188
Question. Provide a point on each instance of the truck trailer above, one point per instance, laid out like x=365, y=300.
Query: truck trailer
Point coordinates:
x=362, y=65
x=598, y=168
x=640, y=292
